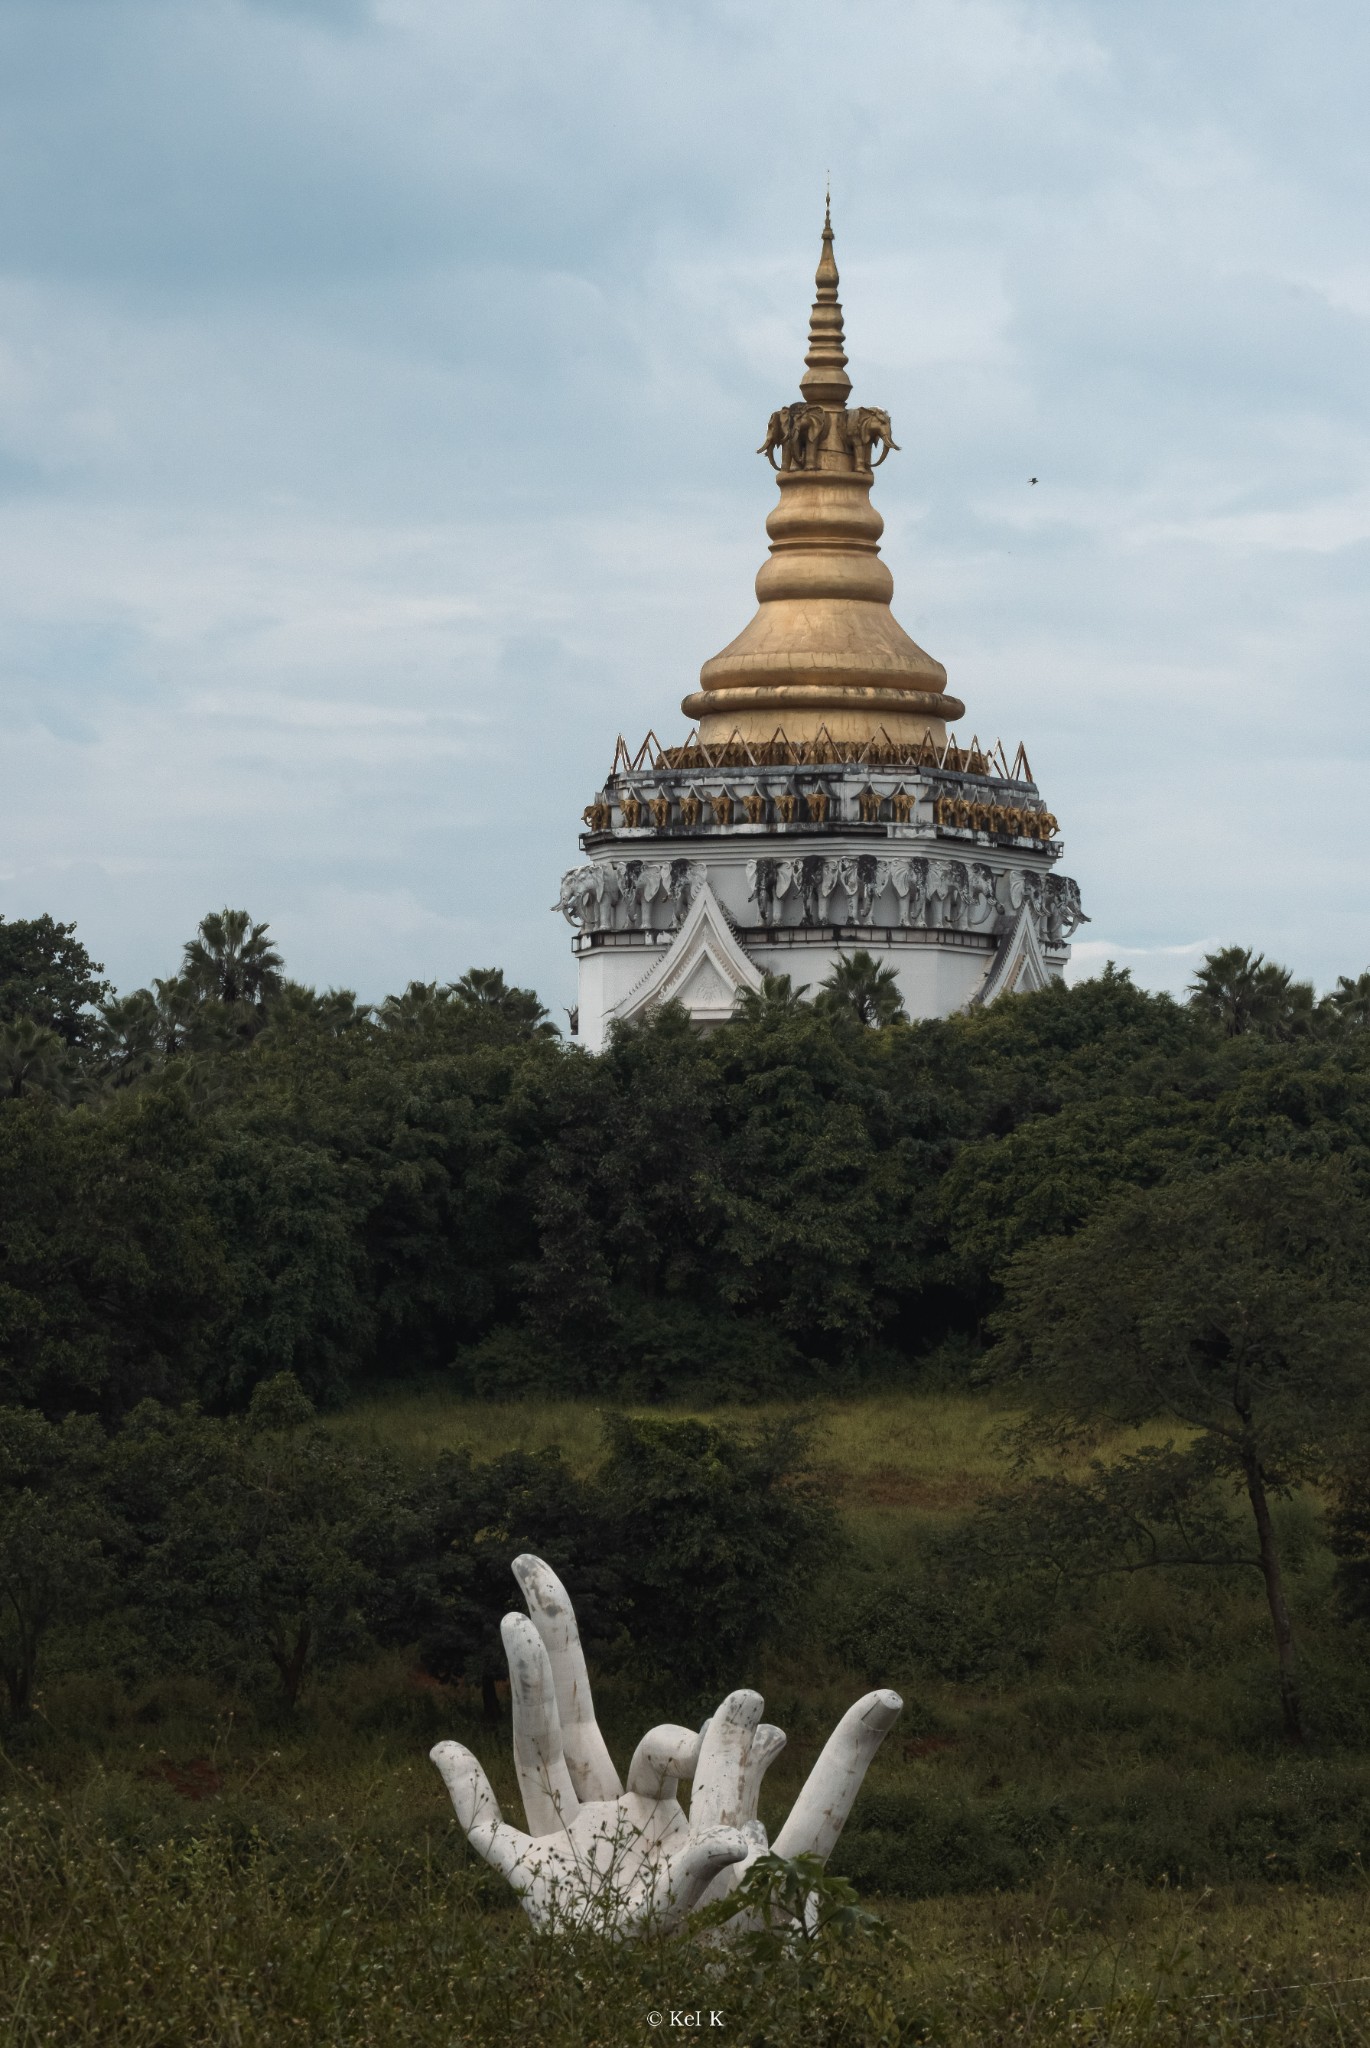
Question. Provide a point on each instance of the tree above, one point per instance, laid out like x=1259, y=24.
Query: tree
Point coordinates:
x=870, y=992
x=128, y=1039
x=481, y=1008
x=138, y=1033
x=54, y=1538
x=1350, y=1000
x=715, y=1533
x=1349, y=1532
x=46, y=974
x=1240, y=991
x=232, y=961
x=257, y=1536
x=1232, y=1304
x=485, y=991
x=113, y=1280
x=296, y=1007
x=32, y=1058
x=776, y=997
x=446, y=1582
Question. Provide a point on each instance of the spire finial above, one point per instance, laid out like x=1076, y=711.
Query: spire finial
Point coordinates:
x=825, y=380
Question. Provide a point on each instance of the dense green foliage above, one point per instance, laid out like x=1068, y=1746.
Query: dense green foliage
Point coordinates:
x=238, y=1547
x=231, y=1207
x=230, y=1176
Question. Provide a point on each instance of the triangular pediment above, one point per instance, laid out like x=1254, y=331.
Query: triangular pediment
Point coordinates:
x=1019, y=966
x=704, y=968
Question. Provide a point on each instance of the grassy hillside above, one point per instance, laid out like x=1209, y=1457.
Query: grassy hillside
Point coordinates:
x=1094, y=1835
x=1137, y=1731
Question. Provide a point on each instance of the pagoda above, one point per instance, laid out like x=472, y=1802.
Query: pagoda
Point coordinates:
x=820, y=805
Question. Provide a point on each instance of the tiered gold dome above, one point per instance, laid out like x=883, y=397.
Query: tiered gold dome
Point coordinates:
x=824, y=651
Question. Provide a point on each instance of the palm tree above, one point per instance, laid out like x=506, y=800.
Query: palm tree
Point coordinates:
x=776, y=997
x=1241, y=991
x=485, y=989
x=232, y=961
x=131, y=1037
x=333, y=1010
x=1350, y=1000
x=32, y=1057
x=420, y=1007
x=859, y=984
x=482, y=997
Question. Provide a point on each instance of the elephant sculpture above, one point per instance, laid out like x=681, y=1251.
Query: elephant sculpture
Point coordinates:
x=909, y=880
x=1063, y=911
x=946, y=894
x=863, y=878
x=629, y=876
x=568, y=902
x=980, y=900
x=761, y=881
x=808, y=431
x=866, y=425
x=829, y=884
x=779, y=436
x=809, y=875
x=680, y=887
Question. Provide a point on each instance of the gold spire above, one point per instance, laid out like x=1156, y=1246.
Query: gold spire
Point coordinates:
x=824, y=651
x=825, y=380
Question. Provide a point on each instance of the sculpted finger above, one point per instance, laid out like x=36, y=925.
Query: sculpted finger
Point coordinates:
x=549, y=1799
x=661, y=1759
x=467, y=1785
x=767, y=1744
x=477, y=1809
x=684, y=1877
x=549, y=1604
x=819, y=1813
x=718, y=1797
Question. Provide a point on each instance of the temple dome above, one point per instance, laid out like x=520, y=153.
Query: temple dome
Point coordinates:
x=824, y=651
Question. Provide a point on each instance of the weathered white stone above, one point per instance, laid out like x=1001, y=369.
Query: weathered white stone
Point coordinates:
x=596, y=1855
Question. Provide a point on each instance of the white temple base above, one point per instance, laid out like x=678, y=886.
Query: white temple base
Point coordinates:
x=693, y=911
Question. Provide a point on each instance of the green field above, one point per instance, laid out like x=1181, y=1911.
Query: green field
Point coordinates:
x=1106, y=1842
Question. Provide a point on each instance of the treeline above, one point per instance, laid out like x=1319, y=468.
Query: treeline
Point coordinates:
x=1127, y=1208
x=258, y=1550
x=230, y=1176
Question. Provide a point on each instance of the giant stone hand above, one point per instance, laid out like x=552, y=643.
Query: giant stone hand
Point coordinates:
x=597, y=1855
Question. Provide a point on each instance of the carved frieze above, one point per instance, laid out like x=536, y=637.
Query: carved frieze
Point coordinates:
x=816, y=890
x=619, y=895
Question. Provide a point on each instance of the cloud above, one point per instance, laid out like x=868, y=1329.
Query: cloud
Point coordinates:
x=1167, y=969
x=379, y=383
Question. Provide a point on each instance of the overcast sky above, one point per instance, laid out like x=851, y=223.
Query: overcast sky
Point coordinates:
x=379, y=381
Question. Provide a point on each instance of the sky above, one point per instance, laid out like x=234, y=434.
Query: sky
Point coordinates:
x=379, y=385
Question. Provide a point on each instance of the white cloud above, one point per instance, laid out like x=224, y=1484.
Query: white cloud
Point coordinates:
x=378, y=391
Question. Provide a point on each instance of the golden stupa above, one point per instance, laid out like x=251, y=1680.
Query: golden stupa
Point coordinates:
x=824, y=654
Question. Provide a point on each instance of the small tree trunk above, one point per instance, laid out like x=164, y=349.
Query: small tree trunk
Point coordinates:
x=489, y=1699
x=21, y=1670
x=1274, y=1593
x=18, y=1677
x=292, y=1663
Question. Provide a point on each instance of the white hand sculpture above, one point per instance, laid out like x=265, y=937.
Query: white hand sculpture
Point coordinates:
x=596, y=1855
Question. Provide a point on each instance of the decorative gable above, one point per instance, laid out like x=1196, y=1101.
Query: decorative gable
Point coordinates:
x=1019, y=966
x=704, y=968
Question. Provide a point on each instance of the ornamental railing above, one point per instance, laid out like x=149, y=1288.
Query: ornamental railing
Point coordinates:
x=779, y=751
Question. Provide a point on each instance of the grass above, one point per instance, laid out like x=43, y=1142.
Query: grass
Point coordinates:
x=219, y=1938
x=1107, y=1847
x=930, y=1453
